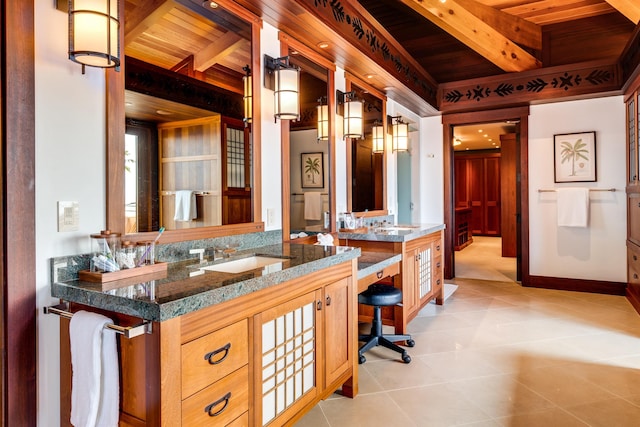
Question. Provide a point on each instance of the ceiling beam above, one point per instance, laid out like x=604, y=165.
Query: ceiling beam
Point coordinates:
x=476, y=34
x=143, y=17
x=513, y=27
x=629, y=8
x=223, y=46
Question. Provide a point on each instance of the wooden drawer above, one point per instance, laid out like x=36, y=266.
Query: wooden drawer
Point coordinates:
x=389, y=271
x=241, y=421
x=220, y=403
x=213, y=356
x=633, y=263
x=633, y=217
x=437, y=274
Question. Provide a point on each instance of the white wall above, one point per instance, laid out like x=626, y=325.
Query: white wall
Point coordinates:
x=271, y=140
x=597, y=252
x=429, y=173
x=70, y=166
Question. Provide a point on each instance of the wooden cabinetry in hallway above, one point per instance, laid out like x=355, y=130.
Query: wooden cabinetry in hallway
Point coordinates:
x=477, y=186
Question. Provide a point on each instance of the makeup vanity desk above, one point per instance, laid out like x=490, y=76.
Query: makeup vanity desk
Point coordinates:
x=418, y=273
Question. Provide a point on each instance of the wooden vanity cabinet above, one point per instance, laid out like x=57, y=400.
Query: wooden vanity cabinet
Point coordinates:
x=420, y=276
x=212, y=366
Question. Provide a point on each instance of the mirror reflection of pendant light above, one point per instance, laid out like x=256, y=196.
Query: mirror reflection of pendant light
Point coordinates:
x=284, y=80
x=94, y=33
x=247, y=81
x=400, y=134
x=377, y=136
x=353, y=113
x=323, y=119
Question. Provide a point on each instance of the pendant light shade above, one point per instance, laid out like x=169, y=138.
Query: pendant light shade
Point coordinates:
x=353, y=112
x=284, y=80
x=400, y=134
x=247, y=82
x=323, y=121
x=377, y=135
x=94, y=30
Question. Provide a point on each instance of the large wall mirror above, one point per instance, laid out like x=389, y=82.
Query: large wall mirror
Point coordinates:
x=189, y=151
x=308, y=154
x=366, y=167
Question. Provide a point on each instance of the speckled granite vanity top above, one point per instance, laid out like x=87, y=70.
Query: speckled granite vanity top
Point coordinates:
x=190, y=285
x=392, y=233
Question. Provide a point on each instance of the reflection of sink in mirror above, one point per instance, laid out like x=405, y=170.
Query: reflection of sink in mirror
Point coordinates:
x=245, y=264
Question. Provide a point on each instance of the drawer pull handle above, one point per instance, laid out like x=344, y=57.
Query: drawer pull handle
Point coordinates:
x=328, y=300
x=319, y=305
x=379, y=274
x=438, y=264
x=635, y=275
x=438, y=282
x=210, y=406
x=438, y=248
x=635, y=257
x=210, y=355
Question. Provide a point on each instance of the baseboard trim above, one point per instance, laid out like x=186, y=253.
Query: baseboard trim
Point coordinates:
x=578, y=285
x=634, y=299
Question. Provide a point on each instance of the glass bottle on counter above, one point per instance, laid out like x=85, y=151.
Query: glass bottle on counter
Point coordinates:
x=145, y=253
x=127, y=255
x=104, y=247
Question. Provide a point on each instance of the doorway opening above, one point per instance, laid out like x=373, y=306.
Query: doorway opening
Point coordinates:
x=485, y=198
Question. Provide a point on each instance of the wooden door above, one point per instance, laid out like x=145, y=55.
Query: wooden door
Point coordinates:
x=338, y=325
x=492, y=196
x=236, y=172
x=475, y=181
x=508, y=186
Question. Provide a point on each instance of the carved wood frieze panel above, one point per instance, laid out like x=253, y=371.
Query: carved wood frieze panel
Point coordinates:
x=522, y=88
x=348, y=22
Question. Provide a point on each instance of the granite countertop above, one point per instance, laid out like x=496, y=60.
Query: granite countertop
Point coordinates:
x=392, y=233
x=372, y=262
x=187, y=287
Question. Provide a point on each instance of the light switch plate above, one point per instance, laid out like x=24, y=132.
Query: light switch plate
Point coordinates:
x=68, y=216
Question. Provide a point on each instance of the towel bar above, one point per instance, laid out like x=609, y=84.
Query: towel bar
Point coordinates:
x=591, y=189
x=127, y=331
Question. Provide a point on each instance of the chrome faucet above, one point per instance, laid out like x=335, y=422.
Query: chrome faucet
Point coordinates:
x=200, y=253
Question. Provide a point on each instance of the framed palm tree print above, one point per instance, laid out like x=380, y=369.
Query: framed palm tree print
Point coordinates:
x=575, y=157
x=312, y=170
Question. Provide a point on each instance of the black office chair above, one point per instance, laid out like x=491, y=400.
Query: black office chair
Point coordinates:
x=379, y=295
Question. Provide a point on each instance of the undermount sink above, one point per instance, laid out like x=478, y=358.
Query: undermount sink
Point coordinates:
x=245, y=264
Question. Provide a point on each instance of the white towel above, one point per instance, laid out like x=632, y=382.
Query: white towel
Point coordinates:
x=312, y=205
x=185, y=206
x=94, y=360
x=573, y=207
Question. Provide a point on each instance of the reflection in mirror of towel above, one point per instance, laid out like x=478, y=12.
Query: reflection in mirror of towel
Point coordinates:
x=185, y=206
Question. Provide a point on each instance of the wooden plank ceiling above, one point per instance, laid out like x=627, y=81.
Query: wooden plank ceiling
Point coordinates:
x=447, y=40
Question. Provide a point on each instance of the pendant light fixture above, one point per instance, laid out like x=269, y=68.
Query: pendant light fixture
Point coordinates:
x=284, y=80
x=352, y=113
x=400, y=134
x=323, y=119
x=247, y=82
x=377, y=136
x=94, y=33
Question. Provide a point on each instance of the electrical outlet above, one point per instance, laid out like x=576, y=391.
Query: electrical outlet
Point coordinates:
x=68, y=216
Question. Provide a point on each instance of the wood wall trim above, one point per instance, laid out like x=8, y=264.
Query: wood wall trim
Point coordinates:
x=19, y=388
x=578, y=285
x=557, y=83
x=630, y=57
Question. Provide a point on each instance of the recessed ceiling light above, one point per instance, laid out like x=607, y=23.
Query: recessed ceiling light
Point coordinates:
x=210, y=3
x=323, y=45
x=164, y=112
x=490, y=139
x=370, y=76
x=485, y=135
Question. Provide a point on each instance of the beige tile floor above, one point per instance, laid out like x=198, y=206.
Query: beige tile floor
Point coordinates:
x=497, y=354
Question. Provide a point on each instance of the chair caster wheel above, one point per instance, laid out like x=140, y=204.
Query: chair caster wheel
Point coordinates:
x=406, y=358
x=361, y=359
x=411, y=343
